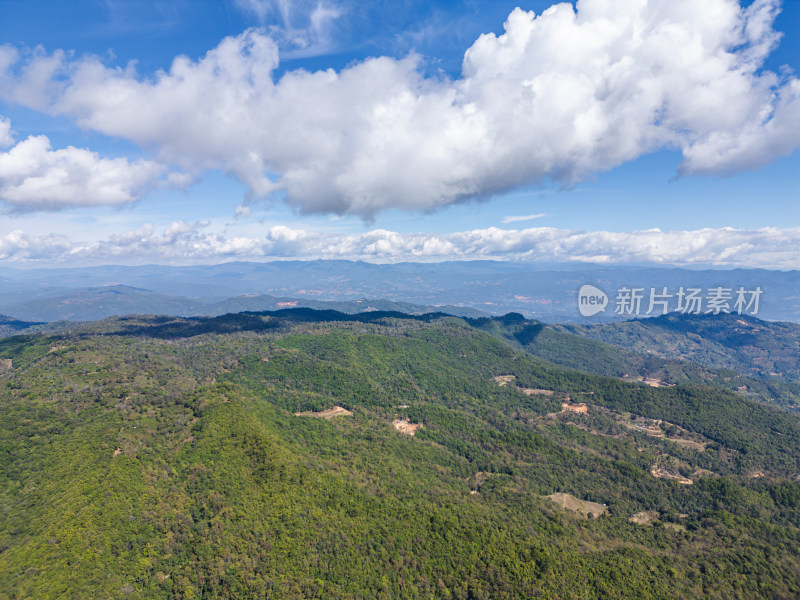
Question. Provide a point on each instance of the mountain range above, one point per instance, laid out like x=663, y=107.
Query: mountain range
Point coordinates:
x=545, y=292
x=315, y=454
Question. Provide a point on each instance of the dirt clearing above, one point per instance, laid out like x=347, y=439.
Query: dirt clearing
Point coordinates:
x=581, y=507
x=647, y=517
x=406, y=427
x=336, y=411
x=536, y=392
x=662, y=473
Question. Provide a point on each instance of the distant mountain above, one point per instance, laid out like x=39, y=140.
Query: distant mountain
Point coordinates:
x=263, y=302
x=544, y=292
x=10, y=326
x=101, y=302
x=744, y=344
x=91, y=304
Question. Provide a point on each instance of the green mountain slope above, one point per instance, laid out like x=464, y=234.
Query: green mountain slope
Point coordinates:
x=164, y=458
x=580, y=348
x=741, y=343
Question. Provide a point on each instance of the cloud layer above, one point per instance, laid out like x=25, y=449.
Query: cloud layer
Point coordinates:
x=184, y=242
x=561, y=96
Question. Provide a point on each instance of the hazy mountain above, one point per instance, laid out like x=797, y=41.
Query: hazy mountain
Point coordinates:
x=545, y=292
x=89, y=304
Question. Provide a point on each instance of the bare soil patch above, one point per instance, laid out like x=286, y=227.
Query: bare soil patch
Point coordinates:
x=406, y=427
x=336, y=411
x=699, y=446
x=662, y=473
x=656, y=428
x=536, y=392
x=646, y=517
x=583, y=508
x=652, y=382
x=504, y=379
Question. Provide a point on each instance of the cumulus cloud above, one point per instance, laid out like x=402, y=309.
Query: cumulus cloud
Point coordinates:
x=34, y=176
x=18, y=246
x=561, y=95
x=183, y=242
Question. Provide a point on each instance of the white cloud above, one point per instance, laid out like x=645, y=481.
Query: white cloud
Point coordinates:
x=18, y=246
x=561, y=95
x=183, y=242
x=34, y=176
x=520, y=218
x=302, y=28
x=6, y=137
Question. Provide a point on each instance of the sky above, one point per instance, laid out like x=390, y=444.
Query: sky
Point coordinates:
x=198, y=131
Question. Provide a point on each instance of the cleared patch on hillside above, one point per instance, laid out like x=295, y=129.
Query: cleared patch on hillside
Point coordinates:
x=406, y=427
x=536, y=392
x=584, y=508
x=646, y=517
x=662, y=473
x=662, y=429
x=330, y=413
x=504, y=379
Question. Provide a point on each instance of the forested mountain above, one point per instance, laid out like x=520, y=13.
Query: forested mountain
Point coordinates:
x=745, y=344
x=158, y=457
x=10, y=326
x=655, y=354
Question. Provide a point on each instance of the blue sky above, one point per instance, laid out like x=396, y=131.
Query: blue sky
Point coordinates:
x=571, y=136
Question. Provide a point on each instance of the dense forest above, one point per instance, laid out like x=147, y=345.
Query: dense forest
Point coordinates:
x=742, y=343
x=168, y=458
x=721, y=351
